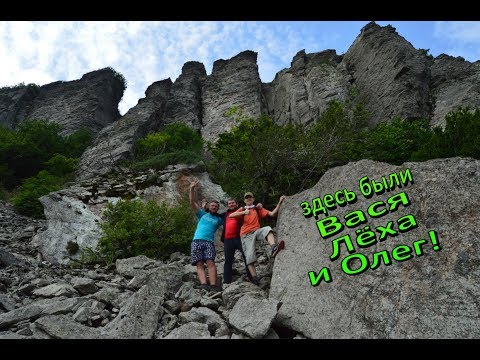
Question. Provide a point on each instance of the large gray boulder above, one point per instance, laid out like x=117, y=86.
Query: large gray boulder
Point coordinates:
x=64, y=327
x=68, y=220
x=138, y=318
x=192, y=330
x=253, y=316
x=39, y=308
x=425, y=292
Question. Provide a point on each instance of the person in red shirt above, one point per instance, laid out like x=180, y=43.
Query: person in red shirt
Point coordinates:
x=231, y=241
x=251, y=231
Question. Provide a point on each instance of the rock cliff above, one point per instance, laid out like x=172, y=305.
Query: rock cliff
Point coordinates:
x=391, y=76
x=233, y=82
x=116, y=141
x=91, y=102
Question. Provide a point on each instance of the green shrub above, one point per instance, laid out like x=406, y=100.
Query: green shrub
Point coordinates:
x=432, y=148
x=72, y=247
x=25, y=150
x=177, y=143
x=76, y=143
x=395, y=142
x=26, y=201
x=133, y=228
x=3, y=193
x=174, y=137
x=259, y=156
x=161, y=161
x=60, y=165
x=119, y=76
x=414, y=140
x=336, y=138
x=462, y=133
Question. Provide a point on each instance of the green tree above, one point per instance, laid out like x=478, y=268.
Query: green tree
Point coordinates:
x=397, y=141
x=462, y=133
x=60, y=165
x=272, y=160
x=26, y=201
x=336, y=138
x=133, y=228
x=76, y=143
x=256, y=155
x=25, y=150
x=177, y=143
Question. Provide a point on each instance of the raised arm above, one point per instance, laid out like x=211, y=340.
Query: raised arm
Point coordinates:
x=204, y=205
x=239, y=212
x=191, y=196
x=274, y=212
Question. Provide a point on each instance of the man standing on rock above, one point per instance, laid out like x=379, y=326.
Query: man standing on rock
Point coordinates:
x=203, y=247
x=231, y=241
x=251, y=231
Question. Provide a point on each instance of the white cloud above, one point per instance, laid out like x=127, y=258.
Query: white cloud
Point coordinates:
x=459, y=38
x=463, y=31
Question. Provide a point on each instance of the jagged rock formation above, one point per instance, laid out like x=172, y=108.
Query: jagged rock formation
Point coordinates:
x=74, y=214
x=116, y=141
x=301, y=93
x=233, y=82
x=455, y=82
x=184, y=103
x=381, y=69
x=434, y=295
x=91, y=102
x=13, y=102
x=165, y=102
x=391, y=76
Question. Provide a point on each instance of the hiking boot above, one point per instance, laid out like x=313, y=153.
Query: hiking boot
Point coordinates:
x=255, y=281
x=277, y=248
x=215, y=288
x=205, y=287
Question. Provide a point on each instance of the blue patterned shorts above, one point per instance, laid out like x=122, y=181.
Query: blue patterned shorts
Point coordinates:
x=202, y=250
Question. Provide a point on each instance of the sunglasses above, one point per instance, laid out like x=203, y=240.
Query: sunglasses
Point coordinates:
x=248, y=197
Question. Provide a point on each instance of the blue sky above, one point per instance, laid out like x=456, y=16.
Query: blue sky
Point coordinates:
x=145, y=52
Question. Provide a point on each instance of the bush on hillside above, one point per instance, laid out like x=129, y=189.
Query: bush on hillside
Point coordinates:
x=395, y=142
x=26, y=201
x=25, y=150
x=177, y=143
x=133, y=228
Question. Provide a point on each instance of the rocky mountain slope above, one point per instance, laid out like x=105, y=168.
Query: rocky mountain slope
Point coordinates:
x=394, y=280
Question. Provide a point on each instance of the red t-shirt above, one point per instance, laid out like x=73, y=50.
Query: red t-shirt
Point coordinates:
x=231, y=225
